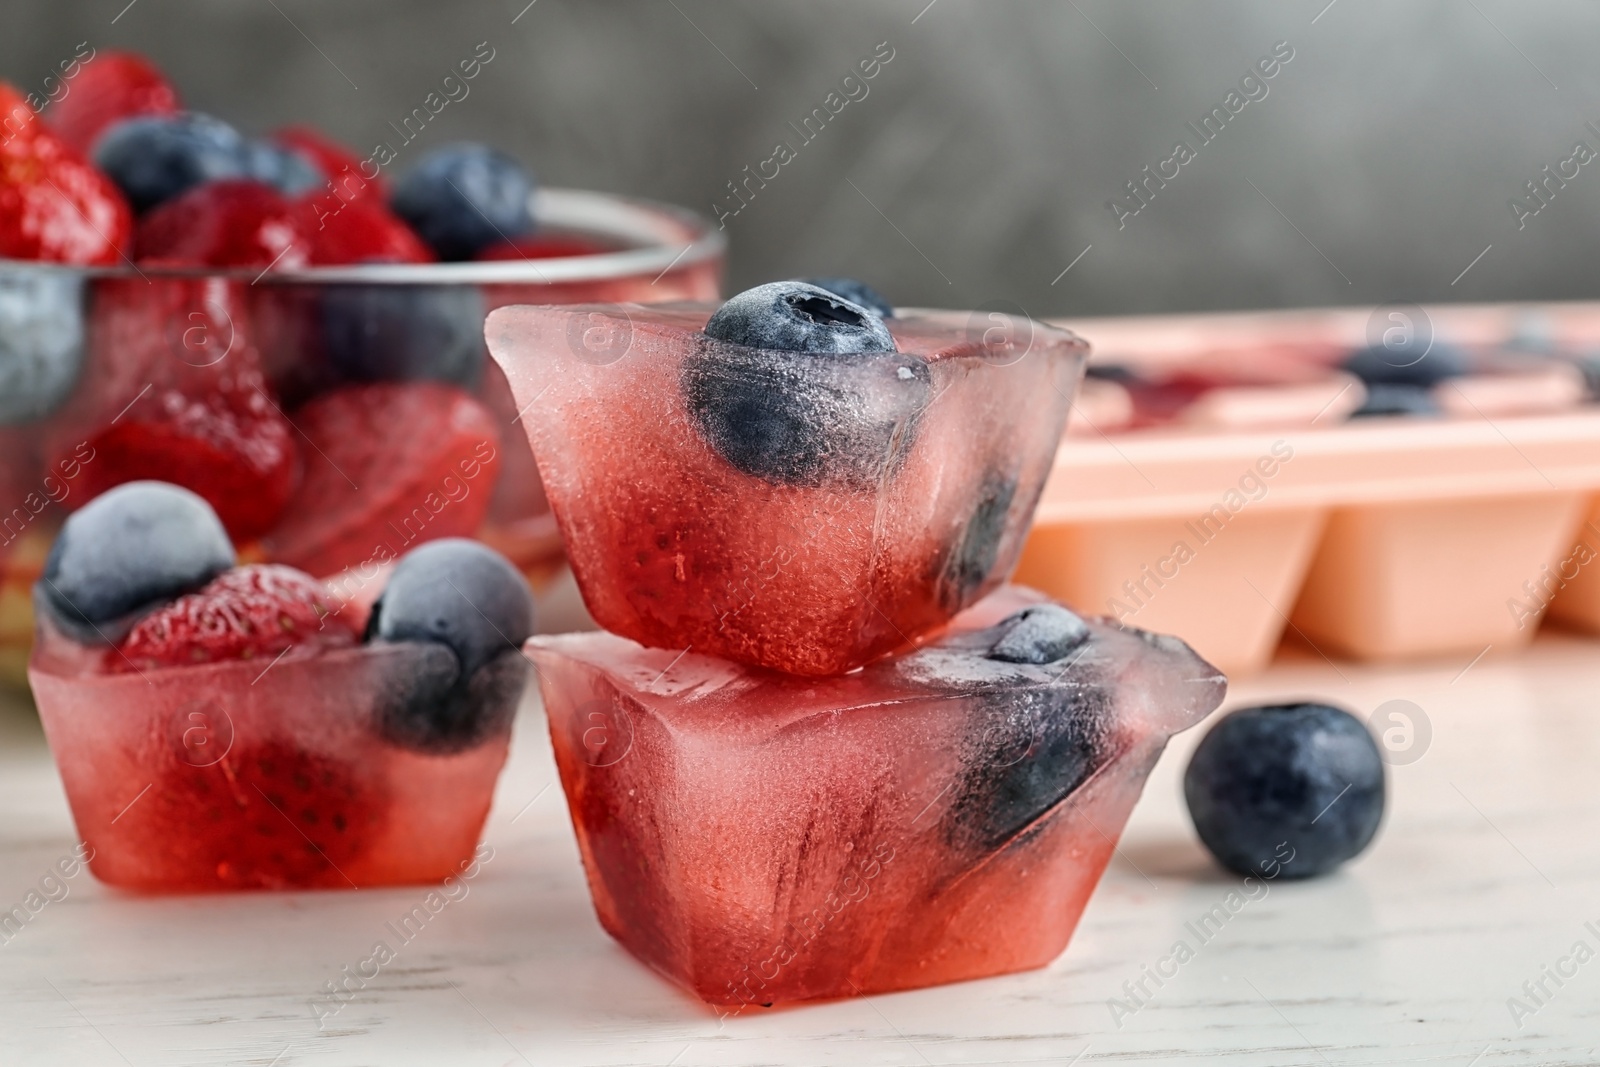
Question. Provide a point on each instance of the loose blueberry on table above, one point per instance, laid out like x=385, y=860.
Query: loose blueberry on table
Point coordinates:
x=1304, y=777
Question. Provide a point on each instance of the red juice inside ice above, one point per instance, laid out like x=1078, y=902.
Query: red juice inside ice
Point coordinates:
x=760, y=838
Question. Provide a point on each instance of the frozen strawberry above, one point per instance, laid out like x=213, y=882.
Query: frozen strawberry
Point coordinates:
x=346, y=173
x=54, y=205
x=543, y=246
x=112, y=87
x=180, y=395
x=225, y=224
x=18, y=121
x=362, y=231
x=390, y=464
x=252, y=612
x=231, y=446
x=270, y=815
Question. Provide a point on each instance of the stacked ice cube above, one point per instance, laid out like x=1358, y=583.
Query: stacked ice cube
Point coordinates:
x=822, y=752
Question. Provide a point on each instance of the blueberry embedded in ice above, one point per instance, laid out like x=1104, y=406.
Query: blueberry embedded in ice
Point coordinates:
x=1029, y=750
x=976, y=549
x=462, y=198
x=1396, y=400
x=1294, y=787
x=404, y=333
x=808, y=391
x=856, y=292
x=288, y=170
x=470, y=611
x=1041, y=634
x=41, y=340
x=154, y=158
x=1423, y=362
x=126, y=552
x=797, y=317
x=458, y=593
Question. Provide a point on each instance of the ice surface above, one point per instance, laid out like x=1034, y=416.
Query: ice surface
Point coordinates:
x=250, y=775
x=759, y=837
x=802, y=512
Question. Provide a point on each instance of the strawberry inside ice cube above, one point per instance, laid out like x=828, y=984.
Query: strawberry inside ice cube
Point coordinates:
x=944, y=815
x=801, y=511
x=217, y=726
x=255, y=774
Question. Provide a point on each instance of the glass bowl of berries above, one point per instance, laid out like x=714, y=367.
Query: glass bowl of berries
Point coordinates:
x=280, y=326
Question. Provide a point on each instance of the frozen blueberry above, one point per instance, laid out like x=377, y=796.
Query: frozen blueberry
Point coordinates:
x=127, y=552
x=798, y=317
x=462, y=198
x=792, y=418
x=976, y=550
x=154, y=158
x=1028, y=750
x=470, y=611
x=41, y=340
x=1041, y=634
x=286, y=169
x=858, y=293
x=1306, y=779
x=1396, y=400
x=808, y=390
x=404, y=332
x=1405, y=365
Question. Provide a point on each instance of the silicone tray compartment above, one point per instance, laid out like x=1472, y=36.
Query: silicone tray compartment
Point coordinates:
x=1375, y=539
x=1572, y=585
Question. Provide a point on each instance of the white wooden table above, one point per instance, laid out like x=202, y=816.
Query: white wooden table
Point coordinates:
x=1486, y=871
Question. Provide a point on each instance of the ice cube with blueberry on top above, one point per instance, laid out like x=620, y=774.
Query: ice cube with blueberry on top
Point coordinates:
x=235, y=727
x=938, y=816
x=788, y=480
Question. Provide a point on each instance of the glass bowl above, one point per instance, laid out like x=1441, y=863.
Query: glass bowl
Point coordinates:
x=335, y=416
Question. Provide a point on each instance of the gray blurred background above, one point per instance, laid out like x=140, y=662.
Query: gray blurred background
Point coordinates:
x=1380, y=164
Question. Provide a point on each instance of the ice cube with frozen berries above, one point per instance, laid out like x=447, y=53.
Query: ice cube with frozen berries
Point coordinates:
x=789, y=480
x=760, y=838
x=220, y=726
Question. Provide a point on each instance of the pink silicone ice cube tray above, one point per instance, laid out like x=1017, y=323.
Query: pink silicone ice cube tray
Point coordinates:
x=1376, y=539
